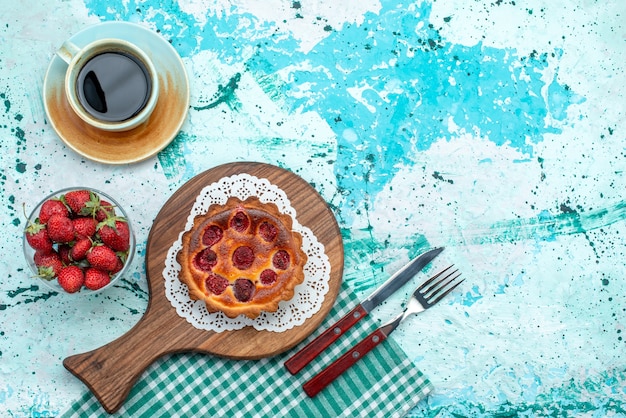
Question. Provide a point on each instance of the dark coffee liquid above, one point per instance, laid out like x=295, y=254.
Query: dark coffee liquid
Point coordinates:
x=113, y=86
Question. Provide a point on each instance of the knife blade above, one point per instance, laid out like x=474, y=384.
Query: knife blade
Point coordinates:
x=303, y=357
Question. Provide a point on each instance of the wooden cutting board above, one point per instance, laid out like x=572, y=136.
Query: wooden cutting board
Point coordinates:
x=111, y=371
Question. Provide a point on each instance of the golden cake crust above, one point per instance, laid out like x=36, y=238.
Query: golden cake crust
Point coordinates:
x=242, y=258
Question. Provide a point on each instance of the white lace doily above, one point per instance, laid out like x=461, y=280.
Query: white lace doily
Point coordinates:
x=308, y=295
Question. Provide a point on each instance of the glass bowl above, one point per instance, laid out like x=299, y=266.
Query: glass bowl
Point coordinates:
x=29, y=252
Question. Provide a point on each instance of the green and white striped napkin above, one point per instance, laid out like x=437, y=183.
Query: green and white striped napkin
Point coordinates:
x=384, y=383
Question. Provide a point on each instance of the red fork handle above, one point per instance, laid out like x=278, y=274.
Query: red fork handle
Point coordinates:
x=315, y=347
x=343, y=363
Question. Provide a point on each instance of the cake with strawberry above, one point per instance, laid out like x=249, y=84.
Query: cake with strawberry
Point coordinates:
x=242, y=258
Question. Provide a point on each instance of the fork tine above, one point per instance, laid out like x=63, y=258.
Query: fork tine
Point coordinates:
x=435, y=277
x=442, y=282
x=442, y=295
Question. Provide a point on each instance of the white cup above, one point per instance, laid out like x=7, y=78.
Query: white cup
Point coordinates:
x=111, y=84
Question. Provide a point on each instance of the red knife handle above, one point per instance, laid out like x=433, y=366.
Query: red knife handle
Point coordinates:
x=343, y=363
x=315, y=347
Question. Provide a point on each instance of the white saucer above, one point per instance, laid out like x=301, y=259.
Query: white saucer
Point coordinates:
x=139, y=143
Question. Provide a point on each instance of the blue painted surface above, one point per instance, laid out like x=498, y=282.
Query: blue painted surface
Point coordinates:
x=493, y=128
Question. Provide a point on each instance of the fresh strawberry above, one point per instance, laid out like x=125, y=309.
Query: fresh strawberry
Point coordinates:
x=106, y=210
x=84, y=226
x=114, y=233
x=37, y=236
x=82, y=202
x=71, y=278
x=60, y=229
x=119, y=266
x=80, y=249
x=102, y=257
x=96, y=279
x=78, y=239
x=64, y=253
x=48, y=264
x=77, y=200
x=51, y=207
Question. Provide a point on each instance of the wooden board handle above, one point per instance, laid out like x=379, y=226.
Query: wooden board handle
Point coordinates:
x=111, y=371
x=343, y=363
x=319, y=344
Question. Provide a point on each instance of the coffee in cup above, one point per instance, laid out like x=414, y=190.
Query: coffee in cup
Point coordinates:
x=110, y=84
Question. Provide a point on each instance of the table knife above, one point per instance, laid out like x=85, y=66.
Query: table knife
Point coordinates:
x=303, y=357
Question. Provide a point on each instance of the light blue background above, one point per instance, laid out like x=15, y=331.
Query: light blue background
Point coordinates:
x=495, y=129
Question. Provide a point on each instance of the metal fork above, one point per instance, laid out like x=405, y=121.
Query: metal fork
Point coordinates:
x=426, y=295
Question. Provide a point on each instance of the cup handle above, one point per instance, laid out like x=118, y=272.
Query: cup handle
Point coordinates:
x=67, y=51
